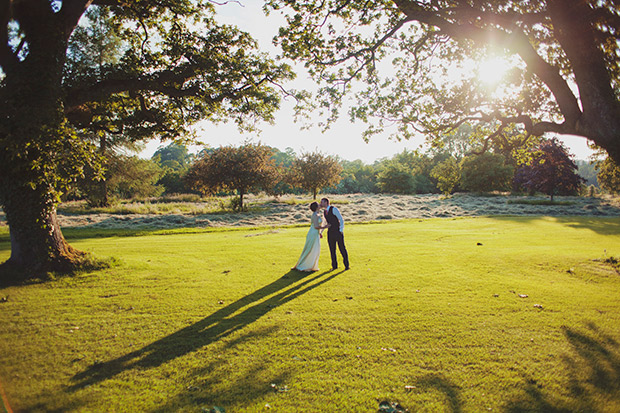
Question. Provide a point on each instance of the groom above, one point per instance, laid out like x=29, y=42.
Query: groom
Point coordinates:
x=335, y=233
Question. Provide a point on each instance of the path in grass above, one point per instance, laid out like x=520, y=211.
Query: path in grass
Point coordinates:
x=426, y=317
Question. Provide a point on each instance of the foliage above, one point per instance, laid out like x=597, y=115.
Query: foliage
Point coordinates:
x=179, y=325
x=174, y=159
x=395, y=178
x=485, y=173
x=609, y=175
x=173, y=156
x=357, y=177
x=284, y=160
x=425, y=66
x=244, y=169
x=552, y=171
x=587, y=170
x=448, y=175
x=313, y=171
x=132, y=177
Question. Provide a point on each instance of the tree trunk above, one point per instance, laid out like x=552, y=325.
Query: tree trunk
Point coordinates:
x=37, y=243
x=240, y=200
x=36, y=157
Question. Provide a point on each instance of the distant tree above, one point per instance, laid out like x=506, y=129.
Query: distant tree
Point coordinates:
x=587, y=170
x=551, y=171
x=174, y=156
x=284, y=160
x=313, y=171
x=395, y=178
x=609, y=175
x=174, y=159
x=486, y=172
x=244, y=169
x=132, y=177
x=448, y=174
x=357, y=177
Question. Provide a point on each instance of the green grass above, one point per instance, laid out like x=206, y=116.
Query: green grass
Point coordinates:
x=425, y=317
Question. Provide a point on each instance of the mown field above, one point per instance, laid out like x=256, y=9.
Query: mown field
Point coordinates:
x=502, y=314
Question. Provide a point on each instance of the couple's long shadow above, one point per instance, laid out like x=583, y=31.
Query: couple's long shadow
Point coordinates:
x=210, y=329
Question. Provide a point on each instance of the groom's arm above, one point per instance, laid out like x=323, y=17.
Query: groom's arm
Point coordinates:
x=337, y=214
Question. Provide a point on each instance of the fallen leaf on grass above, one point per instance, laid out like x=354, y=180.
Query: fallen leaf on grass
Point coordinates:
x=523, y=295
x=538, y=306
x=388, y=349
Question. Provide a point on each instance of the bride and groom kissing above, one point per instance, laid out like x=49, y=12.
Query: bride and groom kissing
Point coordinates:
x=330, y=215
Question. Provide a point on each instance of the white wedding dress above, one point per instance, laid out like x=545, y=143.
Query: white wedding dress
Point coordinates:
x=309, y=260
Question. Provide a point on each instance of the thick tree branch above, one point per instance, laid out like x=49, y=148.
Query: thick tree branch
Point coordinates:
x=70, y=14
x=574, y=29
x=517, y=42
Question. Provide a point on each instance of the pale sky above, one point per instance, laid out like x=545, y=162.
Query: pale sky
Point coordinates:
x=343, y=138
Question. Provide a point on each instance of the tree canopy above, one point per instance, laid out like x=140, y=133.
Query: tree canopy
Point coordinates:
x=428, y=66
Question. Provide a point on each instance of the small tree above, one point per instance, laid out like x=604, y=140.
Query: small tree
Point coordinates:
x=609, y=175
x=243, y=169
x=313, y=171
x=486, y=172
x=447, y=174
x=552, y=171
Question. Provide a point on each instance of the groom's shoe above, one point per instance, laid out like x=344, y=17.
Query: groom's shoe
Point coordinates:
x=347, y=268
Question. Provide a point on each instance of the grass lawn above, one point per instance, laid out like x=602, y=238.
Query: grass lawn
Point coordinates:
x=527, y=321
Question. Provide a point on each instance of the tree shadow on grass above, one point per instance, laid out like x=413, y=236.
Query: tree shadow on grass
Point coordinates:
x=593, y=377
x=592, y=374
x=440, y=383
x=218, y=325
x=214, y=384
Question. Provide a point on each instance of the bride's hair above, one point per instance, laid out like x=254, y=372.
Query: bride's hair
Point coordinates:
x=314, y=206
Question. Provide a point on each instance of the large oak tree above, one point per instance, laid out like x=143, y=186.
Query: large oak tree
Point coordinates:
x=419, y=58
x=177, y=66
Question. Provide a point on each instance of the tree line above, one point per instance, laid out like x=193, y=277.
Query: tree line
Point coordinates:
x=253, y=167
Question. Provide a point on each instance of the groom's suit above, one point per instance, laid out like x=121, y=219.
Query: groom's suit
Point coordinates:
x=335, y=236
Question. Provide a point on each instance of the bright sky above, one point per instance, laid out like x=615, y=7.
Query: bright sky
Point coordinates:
x=343, y=138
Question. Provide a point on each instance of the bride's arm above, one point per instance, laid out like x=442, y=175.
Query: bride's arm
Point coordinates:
x=316, y=222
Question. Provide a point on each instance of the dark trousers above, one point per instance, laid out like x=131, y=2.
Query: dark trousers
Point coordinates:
x=333, y=238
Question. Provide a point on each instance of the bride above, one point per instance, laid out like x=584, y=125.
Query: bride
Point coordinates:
x=309, y=260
